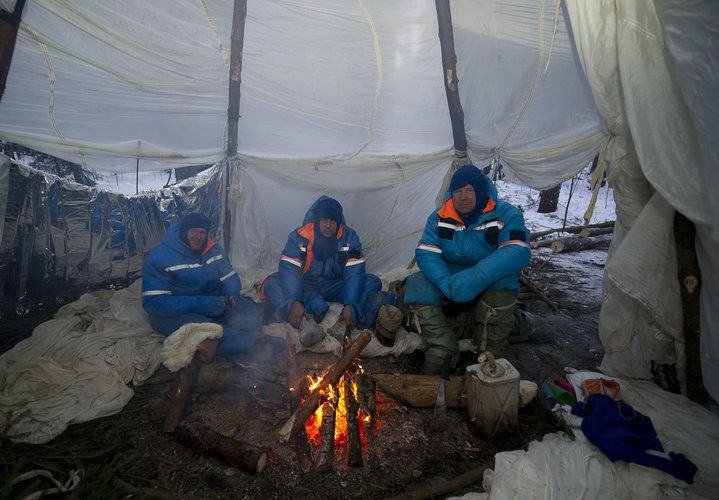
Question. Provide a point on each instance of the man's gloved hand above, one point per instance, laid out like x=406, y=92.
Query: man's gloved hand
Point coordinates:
x=297, y=312
x=347, y=315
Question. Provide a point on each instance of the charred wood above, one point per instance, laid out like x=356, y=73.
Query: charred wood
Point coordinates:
x=367, y=399
x=327, y=434
x=233, y=451
x=301, y=443
x=181, y=394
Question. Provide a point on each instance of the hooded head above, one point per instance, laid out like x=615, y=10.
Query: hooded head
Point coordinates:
x=469, y=192
x=327, y=209
x=191, y=221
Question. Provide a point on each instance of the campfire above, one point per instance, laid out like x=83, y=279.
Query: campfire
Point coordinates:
x=335, y=409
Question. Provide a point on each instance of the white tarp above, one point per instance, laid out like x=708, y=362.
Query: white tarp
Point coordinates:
x=347, y=99
x=562, y=468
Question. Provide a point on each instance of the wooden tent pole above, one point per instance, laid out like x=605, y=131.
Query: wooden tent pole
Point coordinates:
x=689, y=276
x=449, y=64
x=9, y=23
x=239, y=15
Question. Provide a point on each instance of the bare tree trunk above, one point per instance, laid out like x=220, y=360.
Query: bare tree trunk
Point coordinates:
x=548, y=200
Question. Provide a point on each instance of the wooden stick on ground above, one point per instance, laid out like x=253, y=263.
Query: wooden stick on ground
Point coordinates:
x=185, y=381
x=441, y=489
x=574, y=244
x=539, y=293
x=330, y=377
x=302, y=447
x=198, y=437
x=571, y=229
x=595, y=231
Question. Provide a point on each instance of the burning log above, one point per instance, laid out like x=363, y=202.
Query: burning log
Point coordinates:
x=233, y=451
x=181, y=392
x=354, y=443
x=330, y=378
x=301, y=442
x=367, y=399
x=327, y=434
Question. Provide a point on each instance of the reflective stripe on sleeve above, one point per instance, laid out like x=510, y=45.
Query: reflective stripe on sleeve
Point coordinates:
x=354, y=262
x=294, y=262
x=429, y=248
x=213, y=259
x=182, y=266
x=454, y=227
x=156, y=292
x=515, y=242
x=227, y=275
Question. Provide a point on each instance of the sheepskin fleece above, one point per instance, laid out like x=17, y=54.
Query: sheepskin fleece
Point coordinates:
x=179, y=348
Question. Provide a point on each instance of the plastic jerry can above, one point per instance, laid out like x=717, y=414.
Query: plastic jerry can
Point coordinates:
x=492, y=396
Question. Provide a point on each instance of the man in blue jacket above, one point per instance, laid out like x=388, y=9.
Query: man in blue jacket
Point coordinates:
x=188, y=278
x=323, y=262
x=470, y=256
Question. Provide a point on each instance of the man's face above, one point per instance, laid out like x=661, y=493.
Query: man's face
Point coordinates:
x=464, y=199
x=328, y=227
x=196, y=238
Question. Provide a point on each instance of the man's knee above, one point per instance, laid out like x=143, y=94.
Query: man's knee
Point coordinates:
x=494, y=317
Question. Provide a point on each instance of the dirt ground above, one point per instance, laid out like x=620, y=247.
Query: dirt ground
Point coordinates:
x=128, y=455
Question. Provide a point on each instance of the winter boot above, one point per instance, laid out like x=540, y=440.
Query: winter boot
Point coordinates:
x=389, y=319
x=310, y=332
x=494, y=317
x=438, y=336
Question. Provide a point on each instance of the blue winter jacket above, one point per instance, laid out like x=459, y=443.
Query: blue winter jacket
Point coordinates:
x=299, y=271
x=462, y=262
x=176, y=280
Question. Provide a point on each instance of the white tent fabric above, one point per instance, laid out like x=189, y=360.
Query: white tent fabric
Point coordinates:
x=348, y=100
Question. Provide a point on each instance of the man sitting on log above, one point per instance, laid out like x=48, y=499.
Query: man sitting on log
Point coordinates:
x=323, y=262
x=470, y=256
x=188, y=281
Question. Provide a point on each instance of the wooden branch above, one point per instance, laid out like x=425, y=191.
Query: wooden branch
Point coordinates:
x=244, y=455
x=576, y=244
x=440, y=490
x=571, y=229
x=595, y=231
x=548, y=241
x=689, y=276
x=330, y=377
x=181, y=392
x=539, y=293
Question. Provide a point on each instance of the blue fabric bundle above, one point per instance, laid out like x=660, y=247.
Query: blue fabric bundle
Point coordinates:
x=622, y=433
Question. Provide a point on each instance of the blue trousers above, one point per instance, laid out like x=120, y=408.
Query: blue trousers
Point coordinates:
x=241, y=326
x=315, y=299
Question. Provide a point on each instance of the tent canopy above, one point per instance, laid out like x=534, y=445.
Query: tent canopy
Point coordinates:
x=348, y=99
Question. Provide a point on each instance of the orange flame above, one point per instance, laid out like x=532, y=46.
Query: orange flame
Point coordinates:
x=313, y=425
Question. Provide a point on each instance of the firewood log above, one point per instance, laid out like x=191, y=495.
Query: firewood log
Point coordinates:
x=232, y=451
x=181, y=393
x=595, y=231
x=574, y=244
x=330, y=377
